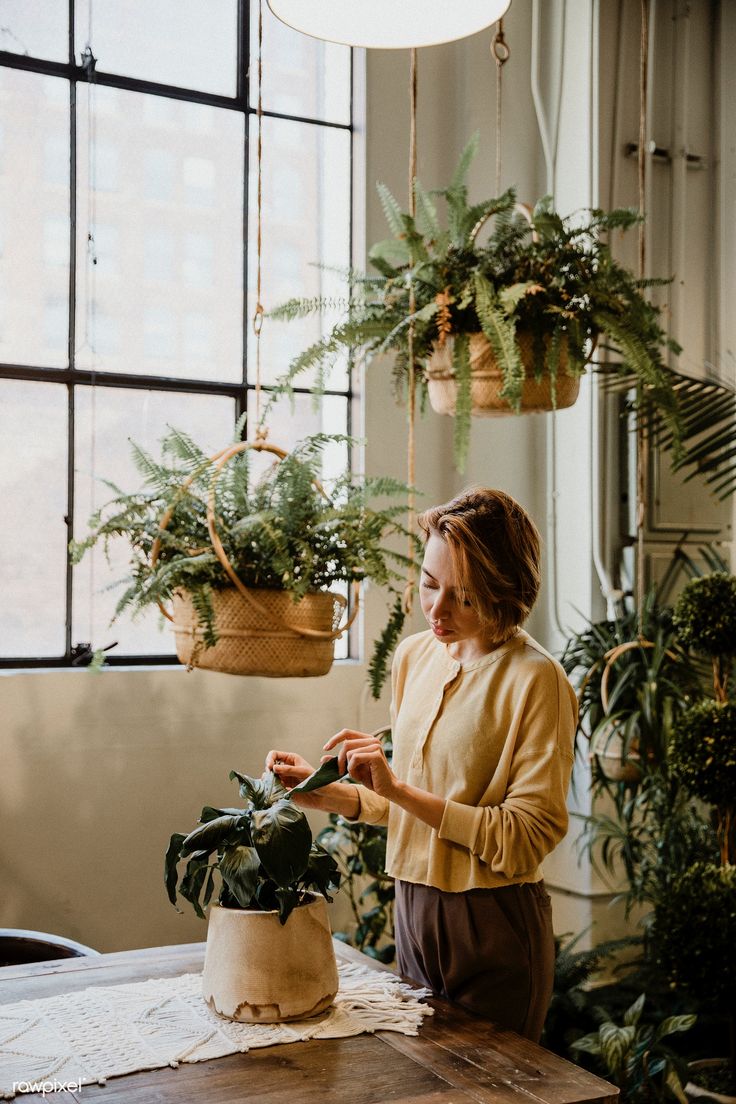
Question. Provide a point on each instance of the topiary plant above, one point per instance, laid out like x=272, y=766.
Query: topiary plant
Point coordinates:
x=705, y=614
x=703, y=751
x=704, y=742
x=705, y=619
x=694, y=934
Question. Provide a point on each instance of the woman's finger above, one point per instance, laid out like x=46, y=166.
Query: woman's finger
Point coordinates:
x=279, y=757
x=346, y=734
x=350, y=746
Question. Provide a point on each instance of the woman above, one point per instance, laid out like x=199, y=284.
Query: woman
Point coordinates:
x=483, y=723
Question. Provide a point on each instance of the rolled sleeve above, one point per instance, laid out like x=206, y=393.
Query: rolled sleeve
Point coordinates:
x=372, y=809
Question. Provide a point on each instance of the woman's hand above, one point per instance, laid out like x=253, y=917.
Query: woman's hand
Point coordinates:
x=363, y=757
x=291, y=769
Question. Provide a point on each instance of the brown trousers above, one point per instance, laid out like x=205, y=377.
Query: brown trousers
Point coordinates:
x=489, y=950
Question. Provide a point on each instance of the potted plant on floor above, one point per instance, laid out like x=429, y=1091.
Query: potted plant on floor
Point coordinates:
x=695, y=924
x=269, y=951
x=501, y=325
x=251, y=563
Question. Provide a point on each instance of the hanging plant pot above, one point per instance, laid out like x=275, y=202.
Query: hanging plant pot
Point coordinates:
x=266, y=634
x=486, y=380
x=615, y=762
x=258, y=970
x=259, y=632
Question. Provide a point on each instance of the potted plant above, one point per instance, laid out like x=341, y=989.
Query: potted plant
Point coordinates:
x=269, y=951
x=695, y=924
x=249, y=563
x=501, y=325
x=635, y=1057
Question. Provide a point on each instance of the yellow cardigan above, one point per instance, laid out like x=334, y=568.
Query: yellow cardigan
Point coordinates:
x=495, y=737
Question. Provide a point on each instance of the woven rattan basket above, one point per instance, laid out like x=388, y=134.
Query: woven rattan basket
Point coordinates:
x=256, y=641
x=487, y=380
x=260, y=632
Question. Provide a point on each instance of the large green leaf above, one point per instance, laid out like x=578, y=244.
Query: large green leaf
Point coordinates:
x=615, y=1042
x=191, y=884
x=207, y=837
x=328, y=772
x=322, y=871
x=210, y=813
x=260, y=792
x=282, y=838
x=633, y=1014
x=673, y=1024
x=239, y=867
x=173, y=854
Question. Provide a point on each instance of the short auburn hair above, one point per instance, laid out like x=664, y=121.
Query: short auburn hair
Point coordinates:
x=495, y=549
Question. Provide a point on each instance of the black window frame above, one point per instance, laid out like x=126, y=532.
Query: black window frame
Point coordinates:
x=71, y=376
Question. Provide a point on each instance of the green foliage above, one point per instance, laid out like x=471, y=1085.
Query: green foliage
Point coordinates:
x=705, y=614
x=553, y=277
x=635, y=1057
x=572, y=1009
x=378, y=666
x=360, y=852
x=694, y=934
x=279, y=530
x=654, y=827
x=703, y=751
x=262, y=854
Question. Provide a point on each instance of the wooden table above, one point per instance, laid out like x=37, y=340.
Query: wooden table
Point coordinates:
x=456, y=1059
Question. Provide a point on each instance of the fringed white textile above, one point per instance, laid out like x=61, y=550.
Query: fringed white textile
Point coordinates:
x=108, y=1031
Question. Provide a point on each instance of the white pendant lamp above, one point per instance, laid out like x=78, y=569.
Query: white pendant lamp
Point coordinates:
x=388, y=24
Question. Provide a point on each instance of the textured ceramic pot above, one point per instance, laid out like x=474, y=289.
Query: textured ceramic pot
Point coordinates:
x=258, y=970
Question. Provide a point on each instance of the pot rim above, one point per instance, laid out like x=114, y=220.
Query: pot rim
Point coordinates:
x=311, y=898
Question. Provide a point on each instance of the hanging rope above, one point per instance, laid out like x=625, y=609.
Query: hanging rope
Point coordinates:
x=261, y=432
x=501, y=54
x=641, y=449
x=411, y=442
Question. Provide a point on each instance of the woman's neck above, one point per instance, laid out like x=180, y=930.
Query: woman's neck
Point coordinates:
x=476, y=647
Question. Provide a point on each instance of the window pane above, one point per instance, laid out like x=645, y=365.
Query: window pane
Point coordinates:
x=306, y=221
x=34, y=219
x=180, y=42
x=106, y=420
x=160, y=238
x=289, y=424
x=301, y=76
x=39, y=28
x=33, y=493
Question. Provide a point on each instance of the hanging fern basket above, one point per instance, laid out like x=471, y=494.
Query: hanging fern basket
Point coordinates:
x=266, y=634
x=487, y=381
x=259, y=632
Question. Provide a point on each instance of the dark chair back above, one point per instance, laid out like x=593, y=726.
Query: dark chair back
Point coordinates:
x=18, y=946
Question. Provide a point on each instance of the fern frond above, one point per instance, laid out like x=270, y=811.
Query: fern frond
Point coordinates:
x=384, y=648
x=463, y=399
x=391, y=210
x=501, y=333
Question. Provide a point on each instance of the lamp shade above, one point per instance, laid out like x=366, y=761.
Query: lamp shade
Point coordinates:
x=388, y=24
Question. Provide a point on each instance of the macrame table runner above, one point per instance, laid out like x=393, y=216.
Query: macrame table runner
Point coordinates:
x=108, y=1031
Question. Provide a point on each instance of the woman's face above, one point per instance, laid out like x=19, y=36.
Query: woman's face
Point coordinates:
x=450, y=618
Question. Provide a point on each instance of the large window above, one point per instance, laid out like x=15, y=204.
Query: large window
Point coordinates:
x=128, y=265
